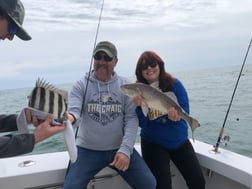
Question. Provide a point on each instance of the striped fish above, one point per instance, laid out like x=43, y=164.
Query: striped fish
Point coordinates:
x=47, y=98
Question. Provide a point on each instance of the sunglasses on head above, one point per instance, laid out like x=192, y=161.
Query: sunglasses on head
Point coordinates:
x=145, y=66
x=105, y=57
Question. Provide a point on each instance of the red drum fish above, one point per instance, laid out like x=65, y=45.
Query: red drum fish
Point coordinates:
x=153, y=98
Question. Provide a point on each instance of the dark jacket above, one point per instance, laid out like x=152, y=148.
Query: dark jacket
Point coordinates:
x=13, y=145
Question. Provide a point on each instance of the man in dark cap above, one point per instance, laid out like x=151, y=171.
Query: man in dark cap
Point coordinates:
x=107, y=125
x=11, y=20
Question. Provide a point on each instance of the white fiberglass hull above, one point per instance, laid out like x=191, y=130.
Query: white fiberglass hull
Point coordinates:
x=226, y=170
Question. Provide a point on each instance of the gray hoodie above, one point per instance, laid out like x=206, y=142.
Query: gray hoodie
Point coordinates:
x=108, y=121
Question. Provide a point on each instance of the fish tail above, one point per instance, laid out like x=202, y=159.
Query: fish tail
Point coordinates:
x=193, y=124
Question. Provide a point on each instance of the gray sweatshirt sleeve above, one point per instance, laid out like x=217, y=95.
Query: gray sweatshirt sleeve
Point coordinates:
x=75, y=104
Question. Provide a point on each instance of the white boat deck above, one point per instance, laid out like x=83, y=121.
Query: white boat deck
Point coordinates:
x=226, y=170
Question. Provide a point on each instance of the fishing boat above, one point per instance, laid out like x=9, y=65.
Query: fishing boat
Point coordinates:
x=221, y=168
x=224, y=169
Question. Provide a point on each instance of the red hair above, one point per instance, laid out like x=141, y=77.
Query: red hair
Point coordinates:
x=166, y=80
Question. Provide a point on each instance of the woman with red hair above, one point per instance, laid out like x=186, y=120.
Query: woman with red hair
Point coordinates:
x=164, y=135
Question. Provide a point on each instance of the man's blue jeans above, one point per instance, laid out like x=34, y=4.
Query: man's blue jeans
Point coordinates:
x=90, y=162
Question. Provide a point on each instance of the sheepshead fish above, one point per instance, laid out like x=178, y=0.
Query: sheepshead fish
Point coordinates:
x=153, y=98
x=46, y=99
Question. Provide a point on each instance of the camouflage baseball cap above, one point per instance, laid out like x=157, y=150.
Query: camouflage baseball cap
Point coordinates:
x=16, y=12
x=106, y=46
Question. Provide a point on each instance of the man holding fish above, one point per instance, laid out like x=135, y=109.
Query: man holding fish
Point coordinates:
x=162, y=109
x=11, y=19
x=107, y=125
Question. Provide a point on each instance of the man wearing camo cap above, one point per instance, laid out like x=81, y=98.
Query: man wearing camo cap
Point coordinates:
x=11, y=20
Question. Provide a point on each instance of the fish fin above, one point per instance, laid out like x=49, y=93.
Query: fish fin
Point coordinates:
x=44, y=84
x=145, y=109
x=69, y=137
x=193, y=124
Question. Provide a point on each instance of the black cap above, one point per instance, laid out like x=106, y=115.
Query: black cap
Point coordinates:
x=16, y=12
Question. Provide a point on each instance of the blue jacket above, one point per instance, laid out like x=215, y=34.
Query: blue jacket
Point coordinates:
x=161, y=130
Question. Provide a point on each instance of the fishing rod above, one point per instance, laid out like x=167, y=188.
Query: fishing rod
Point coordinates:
x=222, y=128
x=91, y=61
x=89, y=73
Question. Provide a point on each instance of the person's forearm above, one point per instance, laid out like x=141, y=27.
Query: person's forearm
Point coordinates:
x=13, y=145
x=8, y=123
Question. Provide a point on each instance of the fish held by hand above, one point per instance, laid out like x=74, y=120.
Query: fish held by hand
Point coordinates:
x=153, y=98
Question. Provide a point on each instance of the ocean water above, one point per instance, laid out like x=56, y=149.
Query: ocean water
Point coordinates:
x=210, y=92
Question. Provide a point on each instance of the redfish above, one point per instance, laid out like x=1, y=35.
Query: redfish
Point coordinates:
x=153, y=98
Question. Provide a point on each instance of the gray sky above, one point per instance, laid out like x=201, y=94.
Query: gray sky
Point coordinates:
x=188, y=35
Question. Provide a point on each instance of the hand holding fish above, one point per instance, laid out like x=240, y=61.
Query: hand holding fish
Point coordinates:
x=173, y=114
x=45, y=129
x=31, y=119
x=70, y=118
x=138, y=100
x=47, y=110
x=29, y=116
x=153, y=98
